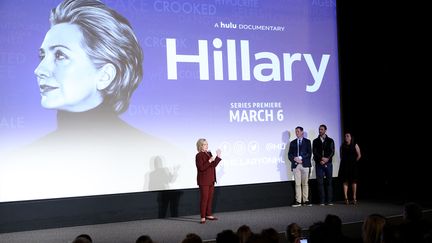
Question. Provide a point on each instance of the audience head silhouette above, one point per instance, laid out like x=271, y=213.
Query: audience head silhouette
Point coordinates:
x=372, y=228
x=83, y=238
x=227, y=236
x=192, y=238
x=412, y=211
x=144, y=239
x=271, y=235
x=244, y=232
x=293, y=232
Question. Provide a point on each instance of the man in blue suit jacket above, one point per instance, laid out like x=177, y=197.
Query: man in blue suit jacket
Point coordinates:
x=299, y=153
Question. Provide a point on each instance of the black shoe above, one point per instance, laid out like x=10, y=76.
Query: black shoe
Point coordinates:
x=329, y=204
x=307, y=203
x=296, y=204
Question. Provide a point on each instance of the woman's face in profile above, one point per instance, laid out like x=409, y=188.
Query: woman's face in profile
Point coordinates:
x=204, y=146
x=66, y=76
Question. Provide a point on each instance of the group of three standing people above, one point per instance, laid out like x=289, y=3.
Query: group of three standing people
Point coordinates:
x=322, y=149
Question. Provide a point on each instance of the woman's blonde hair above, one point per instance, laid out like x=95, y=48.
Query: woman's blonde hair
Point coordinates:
x=372, y=228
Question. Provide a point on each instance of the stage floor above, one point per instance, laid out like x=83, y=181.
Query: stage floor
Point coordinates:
x=171, y=230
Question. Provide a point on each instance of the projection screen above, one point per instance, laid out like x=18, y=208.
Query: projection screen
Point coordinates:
x=240, y=73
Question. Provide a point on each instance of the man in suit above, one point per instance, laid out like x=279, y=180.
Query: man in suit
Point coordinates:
x=299, y=153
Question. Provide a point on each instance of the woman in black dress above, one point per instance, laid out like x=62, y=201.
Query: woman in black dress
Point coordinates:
x=348, y=171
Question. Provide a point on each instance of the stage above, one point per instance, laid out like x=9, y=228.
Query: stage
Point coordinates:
x=170, y=230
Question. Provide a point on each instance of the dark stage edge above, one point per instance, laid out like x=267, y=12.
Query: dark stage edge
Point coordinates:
x=171, y=230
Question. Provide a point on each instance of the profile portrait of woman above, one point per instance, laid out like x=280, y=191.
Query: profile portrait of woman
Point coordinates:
x=90, y=65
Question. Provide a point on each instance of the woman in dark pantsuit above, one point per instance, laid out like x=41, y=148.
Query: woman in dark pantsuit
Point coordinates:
x=206, y=167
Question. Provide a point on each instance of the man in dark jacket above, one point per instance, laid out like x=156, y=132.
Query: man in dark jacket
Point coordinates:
x=323, y=151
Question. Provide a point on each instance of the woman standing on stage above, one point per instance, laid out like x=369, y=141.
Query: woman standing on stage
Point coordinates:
x=348, y=170
x=206, y=167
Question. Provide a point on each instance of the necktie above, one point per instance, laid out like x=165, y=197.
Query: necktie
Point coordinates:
x=298, y=147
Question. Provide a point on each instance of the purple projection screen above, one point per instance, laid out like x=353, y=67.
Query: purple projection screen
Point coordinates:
x=240, y=73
